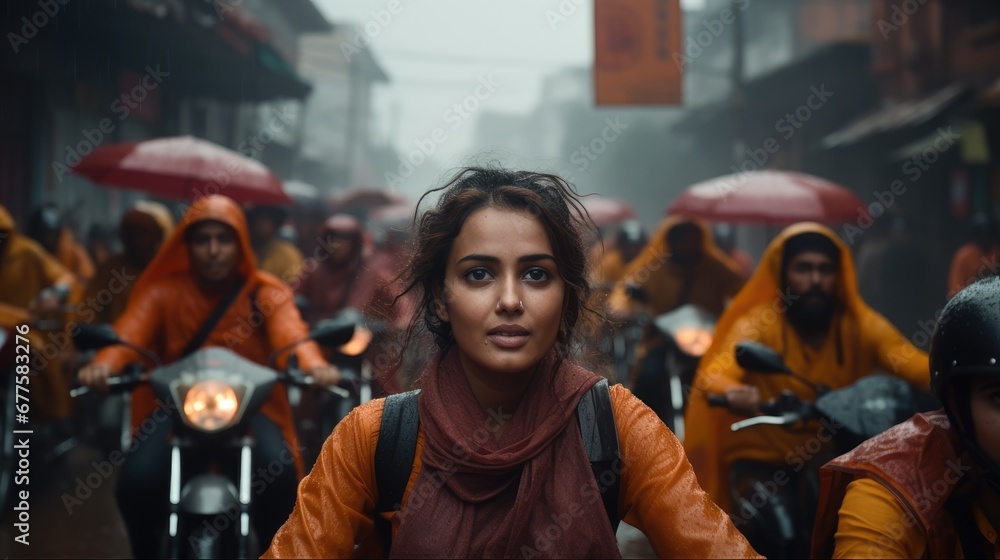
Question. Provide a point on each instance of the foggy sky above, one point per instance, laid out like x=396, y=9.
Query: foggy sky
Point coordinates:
x=436, y=52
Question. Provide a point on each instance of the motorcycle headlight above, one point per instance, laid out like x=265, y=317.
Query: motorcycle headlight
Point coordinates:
x=211, y=405
x=693, y=342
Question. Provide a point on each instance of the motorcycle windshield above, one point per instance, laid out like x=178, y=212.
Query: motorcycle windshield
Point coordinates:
x=213, y=387
x=874, y=404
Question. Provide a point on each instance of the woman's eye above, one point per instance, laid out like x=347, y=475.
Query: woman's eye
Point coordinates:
x=477, y=274
x=537, y=274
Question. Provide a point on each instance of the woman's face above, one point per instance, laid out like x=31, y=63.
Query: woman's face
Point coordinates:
x=503, y=293
x=342, y=246
x=985, y=403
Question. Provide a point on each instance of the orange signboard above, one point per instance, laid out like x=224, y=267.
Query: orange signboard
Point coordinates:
x=635, y=42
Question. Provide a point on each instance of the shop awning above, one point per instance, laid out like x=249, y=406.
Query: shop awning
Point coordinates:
x=232, y=58
x=904, y=117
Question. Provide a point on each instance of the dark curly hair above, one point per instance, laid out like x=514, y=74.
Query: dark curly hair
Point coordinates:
x=549, y=198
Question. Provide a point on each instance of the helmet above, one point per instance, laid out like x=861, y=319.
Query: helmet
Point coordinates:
x=966, y=341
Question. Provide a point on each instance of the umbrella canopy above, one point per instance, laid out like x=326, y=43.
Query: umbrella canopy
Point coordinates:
x=768, y=197
x=607, y=211
x=394, y=216
x=361, y=201
x=183, y=168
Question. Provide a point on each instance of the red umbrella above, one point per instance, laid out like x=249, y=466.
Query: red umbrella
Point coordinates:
x=606, y=211
x=395, y=216
x=183, y=168
x=362, y=200
x=768, y=197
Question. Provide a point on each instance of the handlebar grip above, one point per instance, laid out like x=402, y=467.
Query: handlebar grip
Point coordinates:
x=718, y=401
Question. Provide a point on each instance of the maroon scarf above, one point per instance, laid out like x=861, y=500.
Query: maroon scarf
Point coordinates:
x=531, y=494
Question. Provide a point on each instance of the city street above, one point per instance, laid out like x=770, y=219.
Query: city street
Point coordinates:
x=93, y=529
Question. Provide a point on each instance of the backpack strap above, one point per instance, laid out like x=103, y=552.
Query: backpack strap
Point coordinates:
x=600, y=440
x=394, y=453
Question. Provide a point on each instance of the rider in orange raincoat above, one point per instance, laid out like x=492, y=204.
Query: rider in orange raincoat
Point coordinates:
x=680, y=265
x=195, y=269
x=857, y=341
x=26, y=269
x=142, y=230
x=672, y=276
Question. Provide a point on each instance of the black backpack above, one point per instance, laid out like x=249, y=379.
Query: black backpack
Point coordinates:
x=397, y=444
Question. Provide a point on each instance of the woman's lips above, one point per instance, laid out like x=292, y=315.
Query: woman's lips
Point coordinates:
x=507, y=340
x=508, y=336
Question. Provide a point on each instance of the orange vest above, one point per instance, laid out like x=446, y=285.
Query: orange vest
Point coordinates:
x=914, y=461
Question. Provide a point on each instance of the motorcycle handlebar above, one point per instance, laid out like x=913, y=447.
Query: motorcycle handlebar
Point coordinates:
x=718, y=401
x=131, y=379
x=116, y=383
x=786, y=419
x=349, y=383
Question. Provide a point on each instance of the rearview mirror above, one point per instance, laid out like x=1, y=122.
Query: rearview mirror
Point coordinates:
x=95, y=337
x=332, y=332
x=758, y=358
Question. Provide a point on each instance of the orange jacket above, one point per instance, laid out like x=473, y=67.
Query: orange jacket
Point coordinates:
x=107, y=293
x=167, y=307
x=919, y=463
x=607, y=263
x=659, y=494
x=859, y=341
x=25, y=267
x=282, y=259
x=74, y=257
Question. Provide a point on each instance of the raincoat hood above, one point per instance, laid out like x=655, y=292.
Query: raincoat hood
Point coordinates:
x=767, y=282
x=658, y=246
x=147, y=213
x=347, y=224
x=173, y=255
x=342, y=223
x=6, y=220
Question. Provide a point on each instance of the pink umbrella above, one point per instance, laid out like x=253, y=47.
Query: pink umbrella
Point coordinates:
x=183, y=168
x=769, y=197
x=398, y=215
x=607, y=211
x=362, y=200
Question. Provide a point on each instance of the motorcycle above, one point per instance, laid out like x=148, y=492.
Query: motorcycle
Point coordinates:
x=778, y=518
x=53, y=442
x=687, y=332
x=215, y=393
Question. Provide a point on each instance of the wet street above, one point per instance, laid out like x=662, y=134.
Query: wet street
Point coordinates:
x=87, y=526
